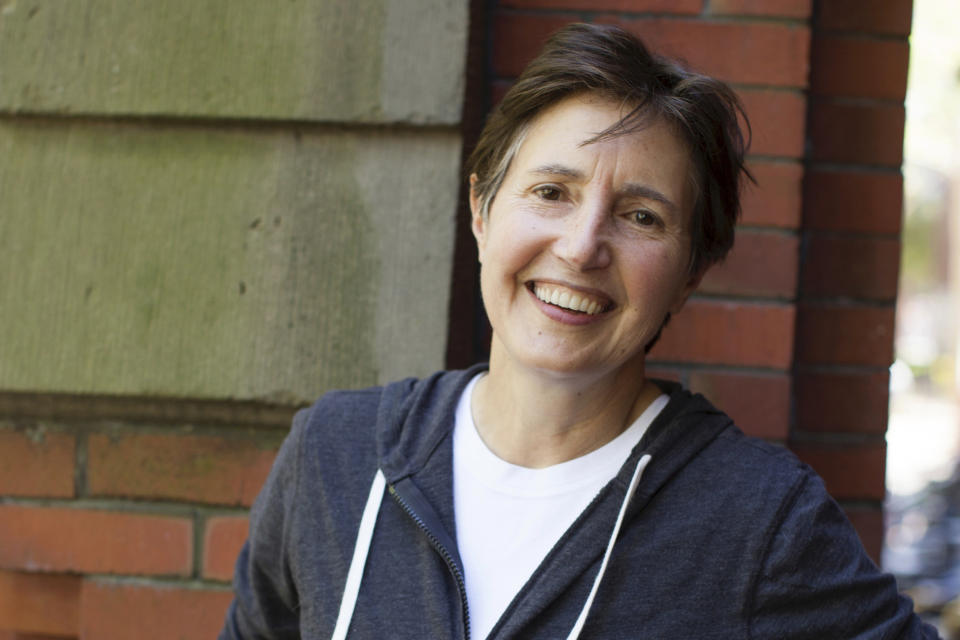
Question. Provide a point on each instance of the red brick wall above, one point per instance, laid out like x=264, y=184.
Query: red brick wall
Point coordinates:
x=793, y=334
x=850, y=249
x=121, y=517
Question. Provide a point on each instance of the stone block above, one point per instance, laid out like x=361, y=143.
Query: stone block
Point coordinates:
x=308, y=60
x=222, y=262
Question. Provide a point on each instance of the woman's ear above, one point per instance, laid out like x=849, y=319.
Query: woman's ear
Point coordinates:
x=477, y=223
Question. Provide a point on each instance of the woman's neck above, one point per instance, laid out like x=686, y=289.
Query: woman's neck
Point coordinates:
x=537, y=419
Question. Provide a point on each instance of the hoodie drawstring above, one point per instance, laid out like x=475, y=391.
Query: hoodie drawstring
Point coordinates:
x=634, y=481
x=365, y=536
x=360, y=550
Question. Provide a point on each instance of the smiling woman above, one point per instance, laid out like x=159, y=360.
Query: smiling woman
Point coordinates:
x=602, y=224
x=579, y=221
x=559, y=490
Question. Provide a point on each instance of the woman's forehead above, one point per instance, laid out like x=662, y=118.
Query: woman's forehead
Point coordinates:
x=588, y=122
x=567, y=140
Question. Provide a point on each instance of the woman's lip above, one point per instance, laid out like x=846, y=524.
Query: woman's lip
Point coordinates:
x=571, y=297
x=564, y=316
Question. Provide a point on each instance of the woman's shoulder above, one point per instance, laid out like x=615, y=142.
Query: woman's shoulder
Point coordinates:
x=705, y=448
x=768, y=471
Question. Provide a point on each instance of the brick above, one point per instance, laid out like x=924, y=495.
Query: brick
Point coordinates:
x=740, y=52
x=855, y=67
x=850, y=200
x=94, y=541
x=39, y=604
x=35, y=463
x=851, y=266
x=831, y=402
x=777, y=122
x=714, y=332
x=771, y=54
x=890, y=17
x=119, y=611
x=779, y=8
x=845, y=335
x=775, y=201
x=869, y=525
x=857, y=133
x=850, y=471
x=759, y=404
x=222, y=540
x=211, y=469
x=760, y=264
x=518, y=38
x=680, y=7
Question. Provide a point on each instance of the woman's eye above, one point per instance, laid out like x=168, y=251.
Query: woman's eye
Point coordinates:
x=548, y=193
x=644, y=218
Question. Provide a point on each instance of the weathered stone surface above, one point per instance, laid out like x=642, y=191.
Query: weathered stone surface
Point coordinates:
x=319, y=60
x=221, y=262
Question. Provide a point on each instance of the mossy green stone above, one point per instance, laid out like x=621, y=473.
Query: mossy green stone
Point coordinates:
x=221, y=262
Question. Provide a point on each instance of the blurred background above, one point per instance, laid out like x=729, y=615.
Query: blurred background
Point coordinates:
x=923, y=477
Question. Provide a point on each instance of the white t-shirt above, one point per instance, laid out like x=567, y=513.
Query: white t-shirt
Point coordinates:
x=509, y=517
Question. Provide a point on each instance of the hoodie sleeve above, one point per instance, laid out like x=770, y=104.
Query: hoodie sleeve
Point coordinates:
x=265, y=604
x=816, y=580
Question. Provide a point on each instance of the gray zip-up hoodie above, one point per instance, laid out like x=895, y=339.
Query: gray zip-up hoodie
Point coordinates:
x=725, y=536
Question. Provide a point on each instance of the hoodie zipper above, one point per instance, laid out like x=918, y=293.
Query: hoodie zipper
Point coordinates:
x=444, y=553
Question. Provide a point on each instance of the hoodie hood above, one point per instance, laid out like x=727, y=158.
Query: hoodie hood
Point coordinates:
x=415, y=417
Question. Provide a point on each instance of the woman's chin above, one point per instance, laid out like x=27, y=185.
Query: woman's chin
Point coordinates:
x=562, y=363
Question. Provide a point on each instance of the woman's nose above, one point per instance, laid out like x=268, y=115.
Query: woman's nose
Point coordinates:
x=584, y=243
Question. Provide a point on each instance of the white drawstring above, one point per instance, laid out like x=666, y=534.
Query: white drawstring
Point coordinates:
x=364, y=536
x=634, y=481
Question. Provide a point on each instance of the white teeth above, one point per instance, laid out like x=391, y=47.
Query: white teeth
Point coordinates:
x=568, y=300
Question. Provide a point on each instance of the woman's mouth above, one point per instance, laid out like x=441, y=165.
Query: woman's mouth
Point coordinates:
x=569, y=299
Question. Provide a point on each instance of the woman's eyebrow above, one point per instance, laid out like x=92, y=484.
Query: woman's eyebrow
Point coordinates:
x=635, y=190
x=557, y=170
x=630, y=190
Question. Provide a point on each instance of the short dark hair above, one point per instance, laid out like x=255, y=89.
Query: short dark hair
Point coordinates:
x=611, y=62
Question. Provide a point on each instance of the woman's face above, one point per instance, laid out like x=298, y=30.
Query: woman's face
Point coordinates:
x=586, y=246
